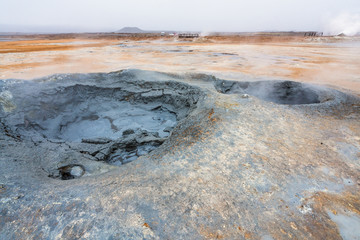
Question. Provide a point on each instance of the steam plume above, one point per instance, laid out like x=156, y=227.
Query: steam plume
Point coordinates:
x=345, y=23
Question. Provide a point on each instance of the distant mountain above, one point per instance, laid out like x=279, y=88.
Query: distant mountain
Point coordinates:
x=130, y=30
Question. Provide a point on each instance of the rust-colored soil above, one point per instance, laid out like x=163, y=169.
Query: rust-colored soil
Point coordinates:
x=325, y=61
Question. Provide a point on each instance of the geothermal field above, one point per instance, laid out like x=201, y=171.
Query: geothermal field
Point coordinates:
x=157, y=136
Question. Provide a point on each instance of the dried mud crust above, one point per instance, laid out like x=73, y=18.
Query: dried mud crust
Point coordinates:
x=233, y=167
x=114, y=118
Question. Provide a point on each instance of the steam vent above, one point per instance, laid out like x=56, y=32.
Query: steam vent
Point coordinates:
x=148, y=155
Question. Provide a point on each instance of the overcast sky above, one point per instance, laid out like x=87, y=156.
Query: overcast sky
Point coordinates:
x=180, y=15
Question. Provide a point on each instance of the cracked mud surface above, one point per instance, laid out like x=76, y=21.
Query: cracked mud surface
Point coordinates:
x=115, y=121
x=206, y=158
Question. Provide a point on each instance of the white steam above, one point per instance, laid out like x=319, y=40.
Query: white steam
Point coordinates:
x=345, y=23
x=205, y=33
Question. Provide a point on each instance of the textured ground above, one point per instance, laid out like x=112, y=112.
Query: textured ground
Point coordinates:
x=250, y=159
x=333, y=61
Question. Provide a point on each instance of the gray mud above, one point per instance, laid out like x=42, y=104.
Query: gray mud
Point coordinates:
x=147, y=155
x=281, y=92
x=115, y=114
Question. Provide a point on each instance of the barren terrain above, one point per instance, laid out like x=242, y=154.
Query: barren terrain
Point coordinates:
x=149, y=137
x=331, y=61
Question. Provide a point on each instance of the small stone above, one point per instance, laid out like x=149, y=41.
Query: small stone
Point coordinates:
x=71, y=171
x=128, y=132
x=244, y=96
x=77, y=171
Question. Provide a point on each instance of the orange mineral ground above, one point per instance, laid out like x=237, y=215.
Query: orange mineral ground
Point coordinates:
x=331, y=61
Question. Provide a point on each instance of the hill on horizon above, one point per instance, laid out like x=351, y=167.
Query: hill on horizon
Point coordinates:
x=130, y=30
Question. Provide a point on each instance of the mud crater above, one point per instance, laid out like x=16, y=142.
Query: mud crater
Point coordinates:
x=114, y=117
x=80, y=113
x=280, y=92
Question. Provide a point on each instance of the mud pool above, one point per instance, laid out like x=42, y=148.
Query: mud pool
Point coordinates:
x=281, y=92
x=140, y=115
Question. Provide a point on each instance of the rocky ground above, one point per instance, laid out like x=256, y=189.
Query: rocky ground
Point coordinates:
x=137, y=154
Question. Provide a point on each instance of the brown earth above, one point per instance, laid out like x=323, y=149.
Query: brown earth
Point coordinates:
x=332, y=61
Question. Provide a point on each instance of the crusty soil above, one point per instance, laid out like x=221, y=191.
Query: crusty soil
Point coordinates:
x=330, y=61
